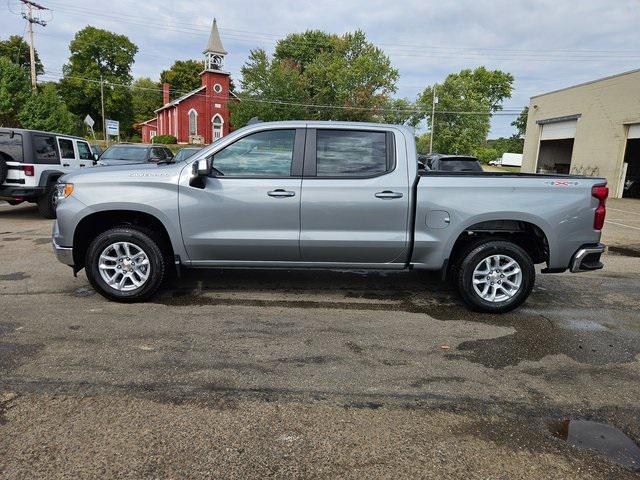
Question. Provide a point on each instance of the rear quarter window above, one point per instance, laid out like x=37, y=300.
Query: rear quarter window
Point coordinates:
x=11, y=147
x=45, y=150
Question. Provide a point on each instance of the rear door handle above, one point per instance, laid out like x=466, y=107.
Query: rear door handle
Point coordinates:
x=280, y=193
x=388, y=194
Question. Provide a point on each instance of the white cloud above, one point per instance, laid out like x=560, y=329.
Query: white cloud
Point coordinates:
x=426, y=40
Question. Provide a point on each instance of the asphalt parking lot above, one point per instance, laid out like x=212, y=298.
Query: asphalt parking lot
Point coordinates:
x=249, y=374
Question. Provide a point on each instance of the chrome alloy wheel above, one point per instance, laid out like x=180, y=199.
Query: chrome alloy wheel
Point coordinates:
x=497, y=278
x=124, y=266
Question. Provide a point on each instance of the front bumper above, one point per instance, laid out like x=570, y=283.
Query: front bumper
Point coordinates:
x=63, y=254
x=587, y=258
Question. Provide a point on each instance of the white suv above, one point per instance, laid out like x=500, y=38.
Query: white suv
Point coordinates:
x=31, y=163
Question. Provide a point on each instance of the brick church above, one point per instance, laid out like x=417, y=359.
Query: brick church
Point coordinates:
x=202, y=115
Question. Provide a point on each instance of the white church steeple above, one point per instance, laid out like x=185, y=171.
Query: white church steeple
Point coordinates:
x=214, y=52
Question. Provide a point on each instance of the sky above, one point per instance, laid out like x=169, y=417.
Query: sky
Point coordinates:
x=545, y=45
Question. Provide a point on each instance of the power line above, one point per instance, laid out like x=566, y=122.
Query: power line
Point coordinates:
x=406, y=50
x=245, y=98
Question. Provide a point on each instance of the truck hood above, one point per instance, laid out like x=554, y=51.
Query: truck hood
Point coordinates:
x=124, y=173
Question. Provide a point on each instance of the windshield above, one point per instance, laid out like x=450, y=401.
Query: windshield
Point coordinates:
x=459, y=165
x=125, y=153
x=184, y=154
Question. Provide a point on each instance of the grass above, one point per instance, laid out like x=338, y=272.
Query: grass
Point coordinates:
x=492, y=168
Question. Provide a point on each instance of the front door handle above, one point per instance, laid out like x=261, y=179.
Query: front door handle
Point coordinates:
x=66, y=165
x=388, y=194
x=281, y=193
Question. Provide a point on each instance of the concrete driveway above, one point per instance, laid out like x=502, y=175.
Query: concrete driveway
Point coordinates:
x=247, y=374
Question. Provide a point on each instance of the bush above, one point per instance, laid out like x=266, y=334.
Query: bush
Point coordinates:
x=135, y=139
x=164, y=139
x=486, y=155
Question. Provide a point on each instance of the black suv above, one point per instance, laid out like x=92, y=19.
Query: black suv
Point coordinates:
x=450, y=163
x=124, y=154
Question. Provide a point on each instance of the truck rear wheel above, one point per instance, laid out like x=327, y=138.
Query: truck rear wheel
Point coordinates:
x=125, y=264
x=495, y=276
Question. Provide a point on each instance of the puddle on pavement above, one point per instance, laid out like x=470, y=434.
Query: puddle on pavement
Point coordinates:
x=630, y=251
x=600, y=437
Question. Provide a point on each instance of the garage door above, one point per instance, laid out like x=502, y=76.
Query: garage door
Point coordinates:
x=559, y=130
x=634, y=131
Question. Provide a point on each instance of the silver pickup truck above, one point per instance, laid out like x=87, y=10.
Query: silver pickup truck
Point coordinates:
x=326, y=195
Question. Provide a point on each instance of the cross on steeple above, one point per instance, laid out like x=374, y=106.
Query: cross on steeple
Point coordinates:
x=214, y=52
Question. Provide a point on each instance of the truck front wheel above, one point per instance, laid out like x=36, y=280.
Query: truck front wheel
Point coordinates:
x=495, y=276
x=125, y=264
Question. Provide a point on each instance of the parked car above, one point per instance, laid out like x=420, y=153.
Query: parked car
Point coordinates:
x=185, y=153
x=97, y=149
x=451, y=163
x=327, y=195
x=125, y=154
x=32, y=161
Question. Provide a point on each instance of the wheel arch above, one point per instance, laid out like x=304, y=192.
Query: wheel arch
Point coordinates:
x=92, y=225
x=529, y=235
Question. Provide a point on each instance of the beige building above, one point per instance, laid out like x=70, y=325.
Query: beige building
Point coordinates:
x=588, y=129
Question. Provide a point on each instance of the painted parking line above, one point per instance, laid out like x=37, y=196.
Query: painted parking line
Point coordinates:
x=621, y=225
x=625, y=211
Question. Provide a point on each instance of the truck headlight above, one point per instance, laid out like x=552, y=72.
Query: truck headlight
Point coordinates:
x=63, y=190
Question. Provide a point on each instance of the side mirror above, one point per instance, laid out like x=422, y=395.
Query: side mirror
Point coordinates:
x=202, y=167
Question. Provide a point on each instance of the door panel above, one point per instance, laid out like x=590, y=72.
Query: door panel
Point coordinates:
x=250, y=210
x=353, y=218
x=236, y=219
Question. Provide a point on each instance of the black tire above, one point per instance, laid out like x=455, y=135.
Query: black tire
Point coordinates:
x=145, y=240
x=4, y=169
x=47, y=203
x=471, y=258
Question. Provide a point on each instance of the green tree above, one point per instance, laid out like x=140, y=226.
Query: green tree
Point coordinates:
x=97, y=53
x=316, y=75
x=46, y=111
x=183, y=76
x=17, y=50
x=521, y=123
x=478, y=90
x=14, y=91
x=146, y=99
x=400, y=111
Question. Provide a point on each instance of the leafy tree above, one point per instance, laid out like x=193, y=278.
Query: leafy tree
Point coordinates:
x=96, y=53
x=316, y=75
x=400, y=111
x=486, y=154
x=183, y=76
x=422, y=143
x=17, y=50
x=146, y=98
x=46, y=111
x=521, y=123
x=14, y=91
x=478, y=90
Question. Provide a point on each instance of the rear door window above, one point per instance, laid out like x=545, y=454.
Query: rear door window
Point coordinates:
x=66, y=148
x=45, y=150
x=11, y=147
x=351, y=153
x=84, y=152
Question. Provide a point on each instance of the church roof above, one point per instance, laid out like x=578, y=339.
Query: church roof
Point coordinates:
x=214, y=45
x=179, y=99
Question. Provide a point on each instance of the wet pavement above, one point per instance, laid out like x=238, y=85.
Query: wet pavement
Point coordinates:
x=241, y=373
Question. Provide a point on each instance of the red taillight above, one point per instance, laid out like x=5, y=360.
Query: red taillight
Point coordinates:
x=601, y=193
x=28, y=170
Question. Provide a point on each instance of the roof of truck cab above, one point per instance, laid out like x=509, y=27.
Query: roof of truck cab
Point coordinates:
x=330, y=123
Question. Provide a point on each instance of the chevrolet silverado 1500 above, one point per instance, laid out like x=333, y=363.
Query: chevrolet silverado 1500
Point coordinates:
x=326, y=195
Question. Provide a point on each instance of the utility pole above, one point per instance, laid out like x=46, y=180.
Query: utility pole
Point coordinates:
x=434, y=100
x=104, y=121
x=31, y=19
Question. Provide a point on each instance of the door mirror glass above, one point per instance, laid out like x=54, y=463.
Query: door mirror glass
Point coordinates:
x=202, y=167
